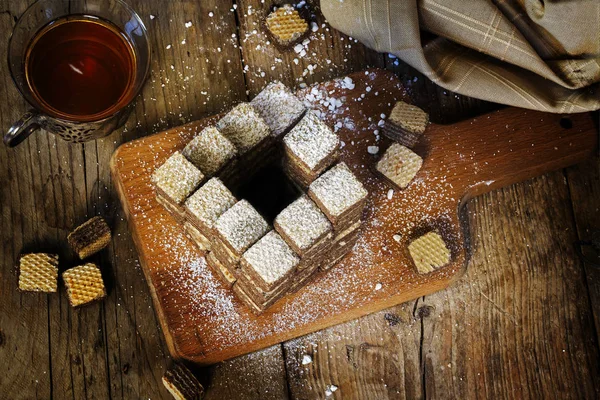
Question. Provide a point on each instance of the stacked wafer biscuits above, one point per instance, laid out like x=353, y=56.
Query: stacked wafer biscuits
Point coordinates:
x=260, y=261
x=203, y=209
x=342, y=198
x=309, y=148
x=406, y=124
x=234, y=232
x=175, y=181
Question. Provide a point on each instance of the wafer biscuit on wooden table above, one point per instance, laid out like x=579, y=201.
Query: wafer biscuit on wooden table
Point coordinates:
x=38, y=272
x=406, y=124
x=286, y=25
x=84, y=284
x=182, y=384
x=399, y=165
x=90, y=237
x=429, y=252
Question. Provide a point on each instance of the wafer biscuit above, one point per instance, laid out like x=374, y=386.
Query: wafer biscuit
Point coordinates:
x=429, y=252
x=209, y=151
x=177, y=178
x=244, y=127
x=222, y=272
x=270, y=261
x=399, y=165
x=406, y=124
x=338, y=193
x=84, y=284
x=278, y=106
x=302, y=225
x=310, y=147
x=90, y=237
x=38, y=272
x=240, y=227
x=286, y=25
x=182, y=384
x=207, y=204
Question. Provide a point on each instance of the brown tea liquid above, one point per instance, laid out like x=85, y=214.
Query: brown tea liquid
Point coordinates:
x=80, y=68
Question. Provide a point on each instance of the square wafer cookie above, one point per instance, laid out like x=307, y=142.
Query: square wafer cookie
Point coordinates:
x=208, y=203
x=338, y=192
x=209, y=151
x=84, y=284
x=270, y=261
x=406, y=124
x=177, y=178
x=285, y=25
x=38, y=272
x=240, y=227
x=278, y=106
x=244, y=127
x=302, y=225
x=182, y=384
x=90, y=237
x=312, y=143
x=429, y=252
x=399, y=165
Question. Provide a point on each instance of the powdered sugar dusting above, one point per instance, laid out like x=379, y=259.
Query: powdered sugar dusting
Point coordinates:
x=303, y=222
x=338, y=189
x=278, y=106
x=311, y=140
x=271, y=258
x=241, y=226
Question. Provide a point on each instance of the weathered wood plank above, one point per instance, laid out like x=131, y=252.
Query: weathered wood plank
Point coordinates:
x=259, y=376
x=584, y=185
x=519, y=322
x=374, y=357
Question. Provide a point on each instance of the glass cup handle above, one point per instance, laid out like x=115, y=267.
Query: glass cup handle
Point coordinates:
x=29, y=123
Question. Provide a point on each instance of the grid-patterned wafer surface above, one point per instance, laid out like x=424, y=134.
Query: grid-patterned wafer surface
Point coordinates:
x=337, y=190
x=209, y=202
x=84, y=284
x=303, y=222
x=177, y=178
x=429, y=252
x=271, y=258
x=90, y=237
x=244, y=127
x=409, y=117
x=182, y=384
x=209, y=151
x=399, y=164
x=311, y=140
x=241, y=226
x=278, y=106
x=38, y=272
x=286, y=25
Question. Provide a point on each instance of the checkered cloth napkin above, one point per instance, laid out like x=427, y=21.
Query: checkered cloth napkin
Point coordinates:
x=542, y=55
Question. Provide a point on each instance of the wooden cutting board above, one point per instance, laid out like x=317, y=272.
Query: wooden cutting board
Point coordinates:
x=202, y=320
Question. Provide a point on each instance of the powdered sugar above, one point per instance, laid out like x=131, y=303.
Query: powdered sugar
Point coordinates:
x=177, y=177
x=338, y=189
x=311, y=140
x=241, y=226
x=271, y=258
x=303, y=222
x=209, y=202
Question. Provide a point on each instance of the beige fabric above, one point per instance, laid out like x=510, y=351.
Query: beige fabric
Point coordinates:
x=542, y=55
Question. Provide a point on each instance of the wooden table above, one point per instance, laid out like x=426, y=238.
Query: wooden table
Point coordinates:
x=522, y=322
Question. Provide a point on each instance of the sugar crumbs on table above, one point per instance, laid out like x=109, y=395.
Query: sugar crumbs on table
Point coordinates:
x=306, y=359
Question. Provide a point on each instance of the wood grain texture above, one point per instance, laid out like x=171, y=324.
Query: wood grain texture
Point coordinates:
x=47, y=191
x=203, y=323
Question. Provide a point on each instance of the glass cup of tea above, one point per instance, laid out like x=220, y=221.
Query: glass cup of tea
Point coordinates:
x=79, y=64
